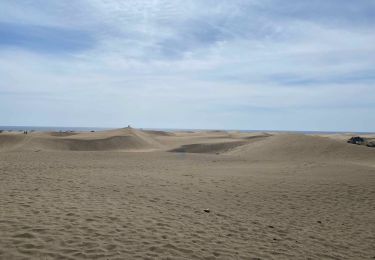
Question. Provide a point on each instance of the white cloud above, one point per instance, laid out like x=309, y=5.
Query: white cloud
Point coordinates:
x=168, y=62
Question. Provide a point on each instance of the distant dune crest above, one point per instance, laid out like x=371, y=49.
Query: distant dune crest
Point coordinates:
x=126, y=139
x=256, y=146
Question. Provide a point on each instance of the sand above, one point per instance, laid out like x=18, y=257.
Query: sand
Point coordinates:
x=132, y=194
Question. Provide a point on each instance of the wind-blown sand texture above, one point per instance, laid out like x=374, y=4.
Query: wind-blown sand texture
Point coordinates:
x=132, y=194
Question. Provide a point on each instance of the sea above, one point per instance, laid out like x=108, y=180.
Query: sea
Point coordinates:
x=88, y=129
x=51, y=128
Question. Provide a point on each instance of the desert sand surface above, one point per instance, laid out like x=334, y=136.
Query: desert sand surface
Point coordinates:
x=137, y=194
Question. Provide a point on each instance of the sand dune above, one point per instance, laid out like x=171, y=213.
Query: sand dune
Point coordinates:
x=9, y=141
x=119, y=139
x=215, y=142
x=303, y=147
x=251, y=145
x=125, y=196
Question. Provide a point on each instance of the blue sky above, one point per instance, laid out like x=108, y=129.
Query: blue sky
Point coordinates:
x=222, y=64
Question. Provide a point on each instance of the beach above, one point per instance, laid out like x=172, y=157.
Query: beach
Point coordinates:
x=142, y=194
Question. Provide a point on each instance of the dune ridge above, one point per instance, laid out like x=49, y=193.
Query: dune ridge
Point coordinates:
x=119, y=139
x=257, y=146
x=303, y=147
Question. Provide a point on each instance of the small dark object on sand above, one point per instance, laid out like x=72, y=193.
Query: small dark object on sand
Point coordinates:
x=207, y=210
x=356, y=140
x=320, y=222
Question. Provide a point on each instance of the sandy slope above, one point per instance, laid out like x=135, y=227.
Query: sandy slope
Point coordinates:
x=119, y=139
x=277, y=196
x=304, y=147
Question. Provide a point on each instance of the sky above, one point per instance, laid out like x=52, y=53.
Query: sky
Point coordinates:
x=206, y=64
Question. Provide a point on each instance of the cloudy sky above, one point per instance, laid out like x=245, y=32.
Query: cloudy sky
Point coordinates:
x=219, y=64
